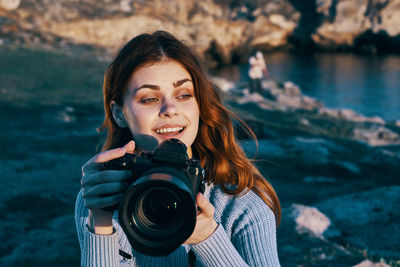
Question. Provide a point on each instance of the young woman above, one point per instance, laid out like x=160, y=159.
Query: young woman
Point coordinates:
x=156, y=89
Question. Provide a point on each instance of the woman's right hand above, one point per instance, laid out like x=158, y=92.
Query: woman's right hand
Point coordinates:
x=104, y=188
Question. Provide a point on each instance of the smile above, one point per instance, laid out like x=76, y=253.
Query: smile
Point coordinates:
x=172, y=130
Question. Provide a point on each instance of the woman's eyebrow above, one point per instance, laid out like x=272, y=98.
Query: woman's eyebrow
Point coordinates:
x=180, y=82
x=150, y=86
x=156, y=87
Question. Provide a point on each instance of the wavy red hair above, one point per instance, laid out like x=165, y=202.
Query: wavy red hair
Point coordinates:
x=215, y=145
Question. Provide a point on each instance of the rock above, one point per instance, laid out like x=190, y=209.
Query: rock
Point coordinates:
x=224, y=84
x=51, y=250
x=319, y=179
x=306, y=114
x=348, y=23
x=388, y=19
x=300, y=240
x=345, y=22
x=235, y=28
x=291, y=89
x=293, y=102
x=305, y=122
x=266, y=149
x=377, y=136
x=368, y=263
x=10, y=4
x=281, y=21
x=349, y=166
x=290, y=96
x=256, y=99
x=368, y=220
x=323, y=6
x=328, y=112
x=310, y=151
x=126, y=6
x=309, y=220
x=349, y=114
x=382, y=157
x=206, y=25
x=271, y=32
x=362, y=208
x=310, y=103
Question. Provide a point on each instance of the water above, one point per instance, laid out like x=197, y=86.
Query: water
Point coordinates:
x=367, y=84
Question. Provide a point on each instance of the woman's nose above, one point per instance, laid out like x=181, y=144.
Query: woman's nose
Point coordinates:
x=168, y=109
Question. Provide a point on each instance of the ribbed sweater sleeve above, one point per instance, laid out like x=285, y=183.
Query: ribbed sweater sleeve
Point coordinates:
x=249, y=236
x=218, y=250
x=96, y=250
x=257, y=241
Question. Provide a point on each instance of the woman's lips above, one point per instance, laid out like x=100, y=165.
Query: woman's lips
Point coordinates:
x=169, y=130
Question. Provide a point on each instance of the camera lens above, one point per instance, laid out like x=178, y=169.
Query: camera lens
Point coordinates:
x=158, y=211
x=159, y=207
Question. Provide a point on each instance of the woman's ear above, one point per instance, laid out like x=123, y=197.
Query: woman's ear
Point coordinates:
x=118, y=114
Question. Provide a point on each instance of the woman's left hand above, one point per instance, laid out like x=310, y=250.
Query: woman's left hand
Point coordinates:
x=205, y=224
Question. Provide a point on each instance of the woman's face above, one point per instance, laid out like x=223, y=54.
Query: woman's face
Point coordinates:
x=160, y=103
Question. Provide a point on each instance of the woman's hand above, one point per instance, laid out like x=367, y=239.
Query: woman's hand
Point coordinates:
x=205, y=224
x=104, y=188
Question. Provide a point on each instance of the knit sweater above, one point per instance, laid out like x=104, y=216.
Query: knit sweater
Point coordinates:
x=245, y=236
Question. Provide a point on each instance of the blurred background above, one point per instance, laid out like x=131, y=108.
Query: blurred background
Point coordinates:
x=327, y=119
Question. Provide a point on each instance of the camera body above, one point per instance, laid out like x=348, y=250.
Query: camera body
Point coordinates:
x=158, y=211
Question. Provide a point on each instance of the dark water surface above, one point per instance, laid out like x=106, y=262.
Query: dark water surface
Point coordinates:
x=368, y=84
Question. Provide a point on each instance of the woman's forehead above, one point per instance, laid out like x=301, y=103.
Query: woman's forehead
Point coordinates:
x=158, y=73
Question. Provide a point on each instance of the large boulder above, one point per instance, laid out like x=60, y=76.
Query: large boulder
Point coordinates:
x=368, y=25
x=344, y=230
x=220, y=32
x=9, y=4
x=343, y=24
x=301, y=239
x=369, y=220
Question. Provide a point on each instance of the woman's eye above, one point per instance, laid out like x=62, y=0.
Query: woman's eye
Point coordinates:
x=184, y=96
x=148, y=100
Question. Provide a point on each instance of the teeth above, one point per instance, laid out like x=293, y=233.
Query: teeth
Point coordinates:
x=169, y=130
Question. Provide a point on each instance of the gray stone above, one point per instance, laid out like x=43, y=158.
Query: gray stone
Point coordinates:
x=368, y=263
x=377, y=136
x=319, y=179
x=349, y=166
x=10, y=4
x=368, y=220
x=309, y=220
x=382, y=157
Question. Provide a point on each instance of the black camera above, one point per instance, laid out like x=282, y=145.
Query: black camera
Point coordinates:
x=158, y=212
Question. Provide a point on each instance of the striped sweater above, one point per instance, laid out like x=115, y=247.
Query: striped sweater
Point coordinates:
x=245, y=236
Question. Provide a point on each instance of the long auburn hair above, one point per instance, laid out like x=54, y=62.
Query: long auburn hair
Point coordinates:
x=215, y=145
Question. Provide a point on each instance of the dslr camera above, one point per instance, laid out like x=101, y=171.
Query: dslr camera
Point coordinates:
x=158, y=211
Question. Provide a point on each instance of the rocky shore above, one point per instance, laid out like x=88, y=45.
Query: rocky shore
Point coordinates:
x=223, y=32
x=336, y=172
